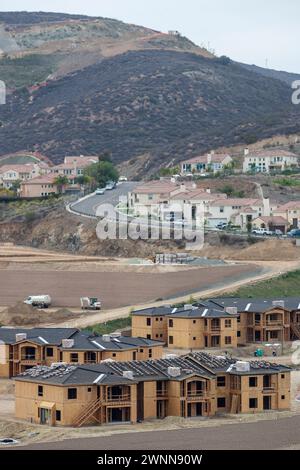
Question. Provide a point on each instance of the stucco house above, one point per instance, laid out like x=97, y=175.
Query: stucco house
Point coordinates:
x=265, y=161
x=210, y=162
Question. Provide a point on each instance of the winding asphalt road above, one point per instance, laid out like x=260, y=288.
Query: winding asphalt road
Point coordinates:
x=88, y=206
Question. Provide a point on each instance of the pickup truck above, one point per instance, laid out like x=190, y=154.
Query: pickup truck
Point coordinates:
x=262, y=231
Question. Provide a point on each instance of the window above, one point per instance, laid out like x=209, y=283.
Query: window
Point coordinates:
x=161, y=319
x=252, y=381
x=171, y=323
x=238, y=334
x=141, y=350
x=58, y=415
x=171, y=340
x=156, y=319
x=194, y=339
x=227, y=339
x=49, y=352
x=221, y=381
x=282, y=376
x=227, y=323
x=148, y=336
x=221, y=402
x=252, y=403
x=156, y=336
x=72, y=393
x=194, y=322
x=74, y=357
x=150, y=353
x=40, y=390
x=89, y=389
x=114, y=355
x=148, y=321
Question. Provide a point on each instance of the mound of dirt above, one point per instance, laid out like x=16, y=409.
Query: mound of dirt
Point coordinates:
x=26, y=315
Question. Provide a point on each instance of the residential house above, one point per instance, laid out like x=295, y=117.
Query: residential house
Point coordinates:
x=237, y=211
x=73, y=166
x=271, y=223
x=196, y=385
x=21, y=349
x=10, y=174
x=290, y=212
x=41, y=186
x=211, y=162
x=266, y=161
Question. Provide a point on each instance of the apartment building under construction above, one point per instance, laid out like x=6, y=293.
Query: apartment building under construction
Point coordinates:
x=221, y=323
x=196, y=385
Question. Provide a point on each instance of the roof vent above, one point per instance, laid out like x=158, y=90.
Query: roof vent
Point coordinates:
x=188, y=307
x=128, y=374
x=171, y=356
x=20, y=337
x=174, y=371
x=106, y=338
x=231, y=310
x=278, y=303
x=242, y=366
x=58, y=364
x=116, y=335
x=67, y=343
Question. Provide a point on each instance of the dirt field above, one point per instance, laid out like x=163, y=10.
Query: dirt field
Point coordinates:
x=116, y=288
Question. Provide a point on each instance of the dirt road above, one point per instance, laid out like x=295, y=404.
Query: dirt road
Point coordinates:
x=262, y=435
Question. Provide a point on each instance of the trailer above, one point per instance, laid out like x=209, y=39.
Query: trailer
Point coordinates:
x=90, y=303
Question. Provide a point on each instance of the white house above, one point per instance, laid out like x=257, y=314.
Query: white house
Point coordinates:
x=265, y=161
x=205, y=163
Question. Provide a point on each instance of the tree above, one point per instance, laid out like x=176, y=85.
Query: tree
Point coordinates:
x=15, y=186
x=60, y=182
x=101, y=173
x=83, y=180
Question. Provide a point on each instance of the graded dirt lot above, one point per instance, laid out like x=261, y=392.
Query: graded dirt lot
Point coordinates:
x=116, y=288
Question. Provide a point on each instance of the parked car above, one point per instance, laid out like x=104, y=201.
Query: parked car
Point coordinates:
x=8, y=441
x=222, y=225
x=123, y=179
x=295, y=233
x=100, y=191
x=110, y=185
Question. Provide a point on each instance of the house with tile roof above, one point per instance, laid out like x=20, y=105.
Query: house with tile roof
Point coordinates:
x=291, y=212
x=266, y=161
x=210, y=162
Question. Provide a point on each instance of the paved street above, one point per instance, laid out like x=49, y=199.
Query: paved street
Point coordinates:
x=89, y=206
x=272, y=435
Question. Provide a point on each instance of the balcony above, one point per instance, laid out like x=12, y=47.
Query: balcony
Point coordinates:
x=118, y=399
x=269, y=389
x=161, y=394
x=196, y=395
x=29, y=358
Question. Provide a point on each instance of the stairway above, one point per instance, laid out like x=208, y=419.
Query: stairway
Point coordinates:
x=295, y=329
x=87, y=413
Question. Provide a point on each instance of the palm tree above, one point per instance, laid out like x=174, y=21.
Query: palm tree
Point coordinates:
x=60, y=182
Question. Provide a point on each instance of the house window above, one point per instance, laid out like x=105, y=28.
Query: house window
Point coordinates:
x=49, y=352
x=74, y=357
x=282, y=376
x=227, y=323
x=89, y=389
x=221, y=381
x=238, y=334
x=171, y=323
x=194, y=339
x=148, y=336
x=72, y=393
x=141, y=350
x=148, y=321
x=252, y=381
x=40, y=391
x=114, y=355
x=194, y=322
x=222, y=402
x=58, y=415
x=161, y=319
x=156, y=319
x=150, y=353
x=171, y=340
x=282, y=397
x=227, y=339
x=252, y=403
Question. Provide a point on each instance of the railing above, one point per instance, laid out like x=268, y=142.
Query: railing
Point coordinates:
x=118, y=398
x=161, y=394
x=29, y=357
x=268, y=389
x=196, y=394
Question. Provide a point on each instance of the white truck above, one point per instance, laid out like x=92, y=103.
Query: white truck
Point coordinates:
x=41, y=301
x=90, y=303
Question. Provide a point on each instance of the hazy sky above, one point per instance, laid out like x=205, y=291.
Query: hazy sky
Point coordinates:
x=251, y=32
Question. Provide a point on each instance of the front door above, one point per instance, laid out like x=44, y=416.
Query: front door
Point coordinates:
x=45, y=416
x=267, y=403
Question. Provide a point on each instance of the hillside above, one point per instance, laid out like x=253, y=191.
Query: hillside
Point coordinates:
x=167, y=104
x=285, y=77
x=41, y=46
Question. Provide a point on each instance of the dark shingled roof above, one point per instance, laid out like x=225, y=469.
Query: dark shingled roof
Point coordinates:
x=110, y=372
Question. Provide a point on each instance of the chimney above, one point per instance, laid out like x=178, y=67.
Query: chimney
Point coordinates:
x=231, y=310
x=209, y=158
x=106, y=338
x=20, y=337
x=208, y=190
x=246, y=152
x=267, y=207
